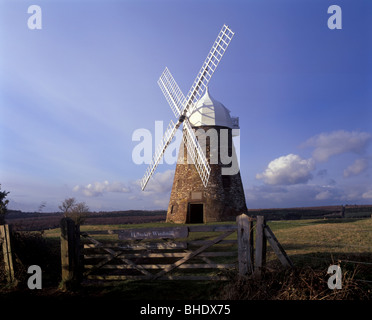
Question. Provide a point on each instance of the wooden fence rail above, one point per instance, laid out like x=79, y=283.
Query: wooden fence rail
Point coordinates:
x=155, y=253
x=264, y=234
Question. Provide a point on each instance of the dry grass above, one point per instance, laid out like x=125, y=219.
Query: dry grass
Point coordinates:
x=296, y=284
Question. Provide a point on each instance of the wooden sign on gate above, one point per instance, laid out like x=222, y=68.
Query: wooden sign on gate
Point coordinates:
x=154, y=233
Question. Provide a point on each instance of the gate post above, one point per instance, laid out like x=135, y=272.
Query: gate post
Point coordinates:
x=5, y=235
x=70, y=254
x=260, y=254
x=245, y=244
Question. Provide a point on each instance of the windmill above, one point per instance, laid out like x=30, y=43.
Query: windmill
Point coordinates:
x=196, y=196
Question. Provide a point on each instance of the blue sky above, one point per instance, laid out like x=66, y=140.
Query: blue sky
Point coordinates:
x=73, y=93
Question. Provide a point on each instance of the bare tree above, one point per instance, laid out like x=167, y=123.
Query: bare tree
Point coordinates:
x=77, y=211
x=67, y=206
x=42, y=206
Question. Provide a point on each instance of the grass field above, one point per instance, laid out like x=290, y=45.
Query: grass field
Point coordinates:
x=311, y=244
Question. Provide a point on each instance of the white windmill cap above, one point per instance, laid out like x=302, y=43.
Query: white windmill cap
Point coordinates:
x=210, y=112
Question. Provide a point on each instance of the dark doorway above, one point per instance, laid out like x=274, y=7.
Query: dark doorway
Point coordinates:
x=195, y=214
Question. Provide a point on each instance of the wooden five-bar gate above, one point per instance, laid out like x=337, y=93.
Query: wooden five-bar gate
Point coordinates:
x=166, y=253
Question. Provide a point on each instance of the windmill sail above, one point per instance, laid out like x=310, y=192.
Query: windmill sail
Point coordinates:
x=165, y=141
x=209, y=66
x=196, y=153
x=182, y=107
x=172, y=92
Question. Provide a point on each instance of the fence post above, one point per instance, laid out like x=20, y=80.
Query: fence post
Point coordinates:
x=7, y=252
x=70, y=254
x=260, y=254
x=245, y=244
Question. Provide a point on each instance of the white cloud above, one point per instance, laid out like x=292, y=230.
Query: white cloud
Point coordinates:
x=96, y=189
x=287, y=170
x=367, y=195
x=298, y=195
x=302, y=195
x=337, y=142
x=324, y=195
x=359, y=166
x=160, y=182
x=157, y=192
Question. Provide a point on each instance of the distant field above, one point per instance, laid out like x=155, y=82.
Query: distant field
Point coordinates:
x=350, y=211
x=44, y=220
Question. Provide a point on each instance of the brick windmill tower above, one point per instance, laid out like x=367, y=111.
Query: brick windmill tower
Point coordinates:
x=207, y=185
x=223, y=197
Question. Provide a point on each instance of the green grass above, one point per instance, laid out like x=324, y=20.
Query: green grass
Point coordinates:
x=320, y=243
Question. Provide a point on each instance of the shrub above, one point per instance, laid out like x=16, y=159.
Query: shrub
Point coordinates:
x=3, y=205
x=31, y=248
